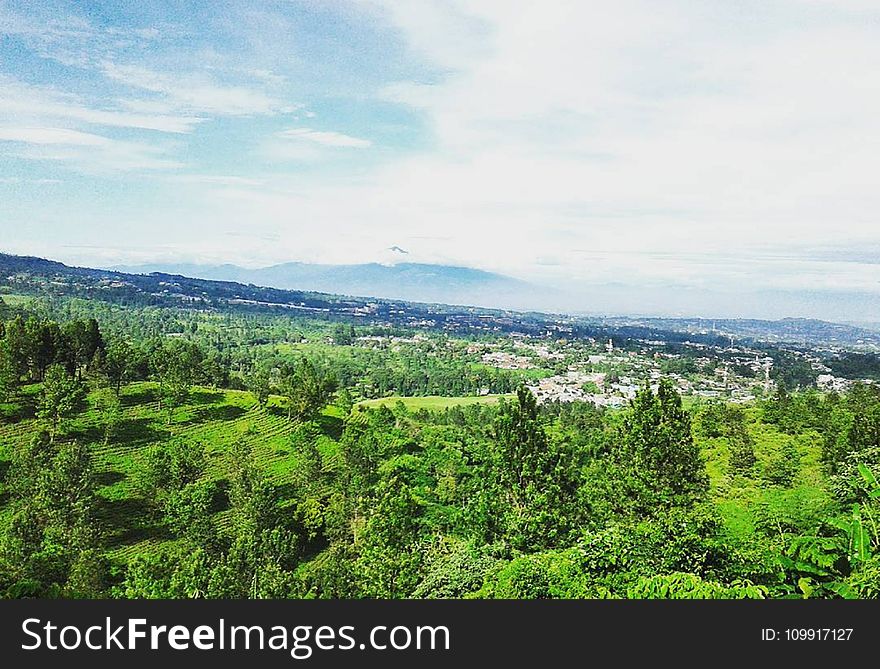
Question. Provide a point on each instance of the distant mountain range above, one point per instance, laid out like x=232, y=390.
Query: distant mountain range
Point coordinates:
x=416, y=282
x=22, y=275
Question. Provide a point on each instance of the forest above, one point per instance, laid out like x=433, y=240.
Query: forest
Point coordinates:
x=155, y=452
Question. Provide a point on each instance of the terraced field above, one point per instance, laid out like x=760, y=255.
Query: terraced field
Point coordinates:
x=216, y=419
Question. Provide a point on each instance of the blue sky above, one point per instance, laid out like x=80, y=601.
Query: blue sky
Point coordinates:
x=636, y=153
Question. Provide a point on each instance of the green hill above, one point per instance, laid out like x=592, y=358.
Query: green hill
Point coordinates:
x=213, y=418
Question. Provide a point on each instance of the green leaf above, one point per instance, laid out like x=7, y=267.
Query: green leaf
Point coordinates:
x=842, y=589
x=869, y=477
x=805, y=586
x=861, y=544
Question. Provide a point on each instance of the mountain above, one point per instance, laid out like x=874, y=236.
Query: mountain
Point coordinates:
x=22, y=275
x=403, y=281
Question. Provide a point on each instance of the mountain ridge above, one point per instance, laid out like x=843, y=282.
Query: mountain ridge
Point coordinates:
x=421, y=282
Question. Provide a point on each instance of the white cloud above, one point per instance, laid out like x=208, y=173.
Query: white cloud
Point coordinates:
x=214, y=180
x=630, y=147
x=86, y=151
x=24, y=102
x=196, y=92
x=624, y=130
x=325, y=138
x=51, y=136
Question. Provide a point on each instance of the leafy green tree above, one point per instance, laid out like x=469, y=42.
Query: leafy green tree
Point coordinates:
x=343, y=335
x=80, y=340
x=62, y=397
x=173, y=466
x=783, y=467
x=53, y=522
x=109, y=409
x=259, y=384
x=8, y=377
x=68, y=493
x=177, y=365
x=456, y=570
x=215, y=370
x=250, y=494
x=742, y=454
x=536, y=478
x=171, y=480
x=306, y=389
x=742, y=446
x=390, y=562
x=30, y=460
x=89, y=576
x=656, y=452
x=344, y=401
x=45, y=345
x=19, y=346
x=117, y=364
x=187, y=512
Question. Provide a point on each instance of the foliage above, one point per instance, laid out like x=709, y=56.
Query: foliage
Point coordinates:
x=655, y=454
x=306, y=389
x=155, y=452
x=63, y=396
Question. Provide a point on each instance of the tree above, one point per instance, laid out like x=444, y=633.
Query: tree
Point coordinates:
x=53, y=526
x=306, y=389
x=187, y=512
x=720, y=419
x=62, y=397
x=177, y=365
x=259, y=383
x=8, y=376
x=45, y=345
x=343, y=335
x=390, y=564
x=344, y=401
x=783, y=468
x=81, y=340
x=117, y=364
x=215, y=370
x=69, y=495
x=173, y=466
x=30, y=460
x=852, y=430
x=250, y=494
x=656, y=452
x=110, y=410
x=742, y=454
x=173, y=481
x=536, y=478
x=18, y=346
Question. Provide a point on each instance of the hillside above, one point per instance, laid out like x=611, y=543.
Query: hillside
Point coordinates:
x=417, y=282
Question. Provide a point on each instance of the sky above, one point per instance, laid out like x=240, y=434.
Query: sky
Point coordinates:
x=688, y=157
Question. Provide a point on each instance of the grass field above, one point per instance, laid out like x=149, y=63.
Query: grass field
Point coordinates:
x=14, y=300
x=432, y=402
